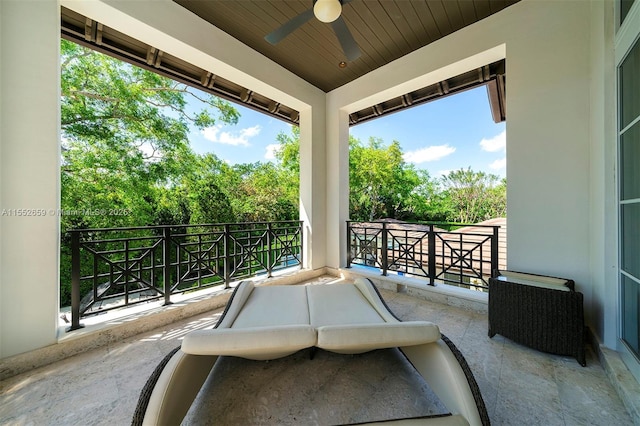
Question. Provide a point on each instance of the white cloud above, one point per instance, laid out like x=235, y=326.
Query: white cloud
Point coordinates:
x=496, y=143
x=211, y=133
x=271, y=150
x=500, y=164
x=430, y=153
x=240, y=137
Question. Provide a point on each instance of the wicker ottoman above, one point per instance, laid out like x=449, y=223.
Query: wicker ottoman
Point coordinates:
x=543, y=313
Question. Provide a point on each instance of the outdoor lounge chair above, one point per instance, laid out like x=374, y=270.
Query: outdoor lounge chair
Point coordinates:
x=269, y=322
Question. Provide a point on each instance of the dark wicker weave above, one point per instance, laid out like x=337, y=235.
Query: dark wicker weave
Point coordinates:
x=545, y=319
x=145, y=394
x=475, y=389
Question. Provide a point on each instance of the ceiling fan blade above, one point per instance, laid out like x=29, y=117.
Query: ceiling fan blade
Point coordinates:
x=348, y=43
x=277, y=35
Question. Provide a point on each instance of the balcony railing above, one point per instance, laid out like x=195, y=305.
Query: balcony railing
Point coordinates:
x=117, y=267
x=426, y=251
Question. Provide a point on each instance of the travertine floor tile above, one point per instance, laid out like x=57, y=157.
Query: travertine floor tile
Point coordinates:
x=519, y=385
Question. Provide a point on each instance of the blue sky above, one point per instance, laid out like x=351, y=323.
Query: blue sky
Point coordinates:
x=447, y=134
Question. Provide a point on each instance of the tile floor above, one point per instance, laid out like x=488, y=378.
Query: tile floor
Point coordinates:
x=520, y=386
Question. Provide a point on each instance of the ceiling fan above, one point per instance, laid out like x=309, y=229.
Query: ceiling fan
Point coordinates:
x=327, y=11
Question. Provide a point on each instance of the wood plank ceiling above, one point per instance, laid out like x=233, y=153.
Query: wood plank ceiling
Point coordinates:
x=384, y=30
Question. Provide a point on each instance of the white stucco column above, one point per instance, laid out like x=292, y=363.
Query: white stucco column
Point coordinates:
x=313, y=193
x=29, y=174
x=337, y=177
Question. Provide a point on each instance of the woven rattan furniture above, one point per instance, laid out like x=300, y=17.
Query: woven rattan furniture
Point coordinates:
x=543, y=313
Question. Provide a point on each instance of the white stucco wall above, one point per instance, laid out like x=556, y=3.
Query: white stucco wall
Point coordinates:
x=554, y=217
x=29, y=174
x=603, y=204
x=556, y=158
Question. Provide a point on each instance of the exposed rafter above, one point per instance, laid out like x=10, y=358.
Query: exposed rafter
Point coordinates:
x=492, y=75
x=87, y=32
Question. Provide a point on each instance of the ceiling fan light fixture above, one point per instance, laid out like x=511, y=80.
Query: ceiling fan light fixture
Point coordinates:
x=327, y=10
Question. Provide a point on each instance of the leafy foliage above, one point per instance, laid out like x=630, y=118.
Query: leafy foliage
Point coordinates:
x=380, y=181
x=383, y=185
x=474, y=196
x=125, y=137
x=126, y=156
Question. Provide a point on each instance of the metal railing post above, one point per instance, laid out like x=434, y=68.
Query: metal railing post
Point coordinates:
x=75, y=282
x=385, y=251
x=431, y=256
x=494, y=251
x=127, y=273
x=166, y=268
x=301, y=248
x=349, y=258
x=269, y=248
x=227, y=250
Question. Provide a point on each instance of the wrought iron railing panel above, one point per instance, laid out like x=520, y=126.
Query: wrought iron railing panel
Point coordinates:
x=466, y=259
x=249, y=249
x=408, y=251
x=286, y=245
x=117, y=267
x=365, y=244
x=119, y=271
x=197, y=257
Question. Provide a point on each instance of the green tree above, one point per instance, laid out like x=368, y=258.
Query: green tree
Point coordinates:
x=496, y=203
x=207, y=187
x=125, y=149
x=125, y=133
x=426, y=201
x=288, y=163
x=288, y=153
x=474, y=196
x=265, y=194
x=381, y=182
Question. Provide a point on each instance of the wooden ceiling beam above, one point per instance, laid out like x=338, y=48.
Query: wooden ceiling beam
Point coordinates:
x=491, y=75
x=86, y=32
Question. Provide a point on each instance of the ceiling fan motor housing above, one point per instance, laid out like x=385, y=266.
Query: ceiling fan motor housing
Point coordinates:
x=327, y=10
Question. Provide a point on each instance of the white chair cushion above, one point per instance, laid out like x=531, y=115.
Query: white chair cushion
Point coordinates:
x=274, y=305
x=258, y=343
x=534, y=280
x=369, y=292
x=239, y=298
x=339, y=304
x=358, y=338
